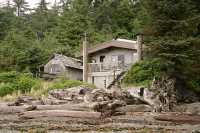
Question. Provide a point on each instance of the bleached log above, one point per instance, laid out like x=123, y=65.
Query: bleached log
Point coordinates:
x=4, y=109
x=179, y=118
x=60, y=113
x=72, y=107
x=135, y=108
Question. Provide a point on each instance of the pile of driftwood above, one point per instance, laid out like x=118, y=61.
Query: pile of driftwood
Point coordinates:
x=77, y=102
x=85, y=103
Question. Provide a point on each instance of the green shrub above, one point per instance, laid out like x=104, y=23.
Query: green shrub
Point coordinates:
x=144, y=72
x=13, y=82
x=65, y=84
x=194, y=84
x=25, y=83
x=6, y=77
x=6, y=89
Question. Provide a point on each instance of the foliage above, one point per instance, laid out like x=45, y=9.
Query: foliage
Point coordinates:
x=6, y=89
x=171, y=30
x=6, y=77
x=194, y=84
x=143, y=72
x=66, y=83
x=27, y=40
x=11, y=82
x=174, y=37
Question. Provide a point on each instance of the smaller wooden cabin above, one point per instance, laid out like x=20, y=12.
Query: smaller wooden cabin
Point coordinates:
x=61, y=65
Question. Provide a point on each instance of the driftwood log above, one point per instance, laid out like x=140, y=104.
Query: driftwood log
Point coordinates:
x=70, y=107
x=60, y=113
x=4, y=109
x=135, y=108
x=179, y=118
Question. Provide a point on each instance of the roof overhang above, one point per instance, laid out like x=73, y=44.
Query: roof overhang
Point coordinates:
x=119, y=43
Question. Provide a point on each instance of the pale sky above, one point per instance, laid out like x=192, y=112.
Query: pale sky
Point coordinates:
x=32, y=3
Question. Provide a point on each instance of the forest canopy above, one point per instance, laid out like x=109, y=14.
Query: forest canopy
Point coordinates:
x=171, y=29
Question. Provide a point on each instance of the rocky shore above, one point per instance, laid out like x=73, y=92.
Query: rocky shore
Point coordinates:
x=86, y=110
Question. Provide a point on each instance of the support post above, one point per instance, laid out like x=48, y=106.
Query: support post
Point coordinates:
x=85, y=59
x=139, y=46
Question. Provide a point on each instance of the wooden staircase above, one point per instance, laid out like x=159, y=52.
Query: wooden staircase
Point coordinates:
x=117, y=79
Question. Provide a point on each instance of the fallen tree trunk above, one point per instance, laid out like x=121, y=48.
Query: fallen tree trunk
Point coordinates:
x=179, y=118
x=4, y=109
x=69, y=107
x=60, y=113
x=135, y=108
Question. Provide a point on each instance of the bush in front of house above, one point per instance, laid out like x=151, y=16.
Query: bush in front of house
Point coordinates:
x=143, y=72
x=8, y=77
x=11, y=82
x=62, y=84
x=6, y=89
x=66, y=83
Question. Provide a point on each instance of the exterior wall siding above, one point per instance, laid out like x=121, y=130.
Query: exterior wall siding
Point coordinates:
x=74, y=74
x=71, y=73
x=129, y=55
x=103, y=79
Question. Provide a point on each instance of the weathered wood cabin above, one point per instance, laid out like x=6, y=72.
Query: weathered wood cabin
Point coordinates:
x=102, y=65
x=61, y=65
x=109, y=61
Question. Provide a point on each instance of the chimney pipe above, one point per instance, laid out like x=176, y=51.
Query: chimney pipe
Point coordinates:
x=85, y=59
x=139, y=46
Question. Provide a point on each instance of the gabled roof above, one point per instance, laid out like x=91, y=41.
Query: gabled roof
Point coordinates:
x=68, y=61
x=119, y=43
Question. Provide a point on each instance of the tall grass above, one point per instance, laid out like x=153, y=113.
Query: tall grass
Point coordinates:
x=13, y=84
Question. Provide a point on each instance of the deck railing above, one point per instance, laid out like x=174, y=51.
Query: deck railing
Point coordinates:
x=105, y=67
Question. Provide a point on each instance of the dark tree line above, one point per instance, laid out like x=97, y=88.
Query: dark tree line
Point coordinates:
x=171, y=29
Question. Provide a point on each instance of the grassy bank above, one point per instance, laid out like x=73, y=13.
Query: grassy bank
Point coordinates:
x=14, y=84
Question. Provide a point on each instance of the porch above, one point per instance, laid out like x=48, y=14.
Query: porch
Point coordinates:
x=107, y=67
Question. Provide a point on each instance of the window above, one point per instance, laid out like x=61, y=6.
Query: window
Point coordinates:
x=102, y=58
x=55, y=68
x=114, y=58
x=121, y=59
x=118, y=59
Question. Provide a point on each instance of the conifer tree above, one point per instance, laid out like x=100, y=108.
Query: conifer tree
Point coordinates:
x=175, y=38
x=21, y=7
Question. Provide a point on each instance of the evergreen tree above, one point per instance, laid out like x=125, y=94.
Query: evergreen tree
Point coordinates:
x=21, y=7
x=175, y=28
